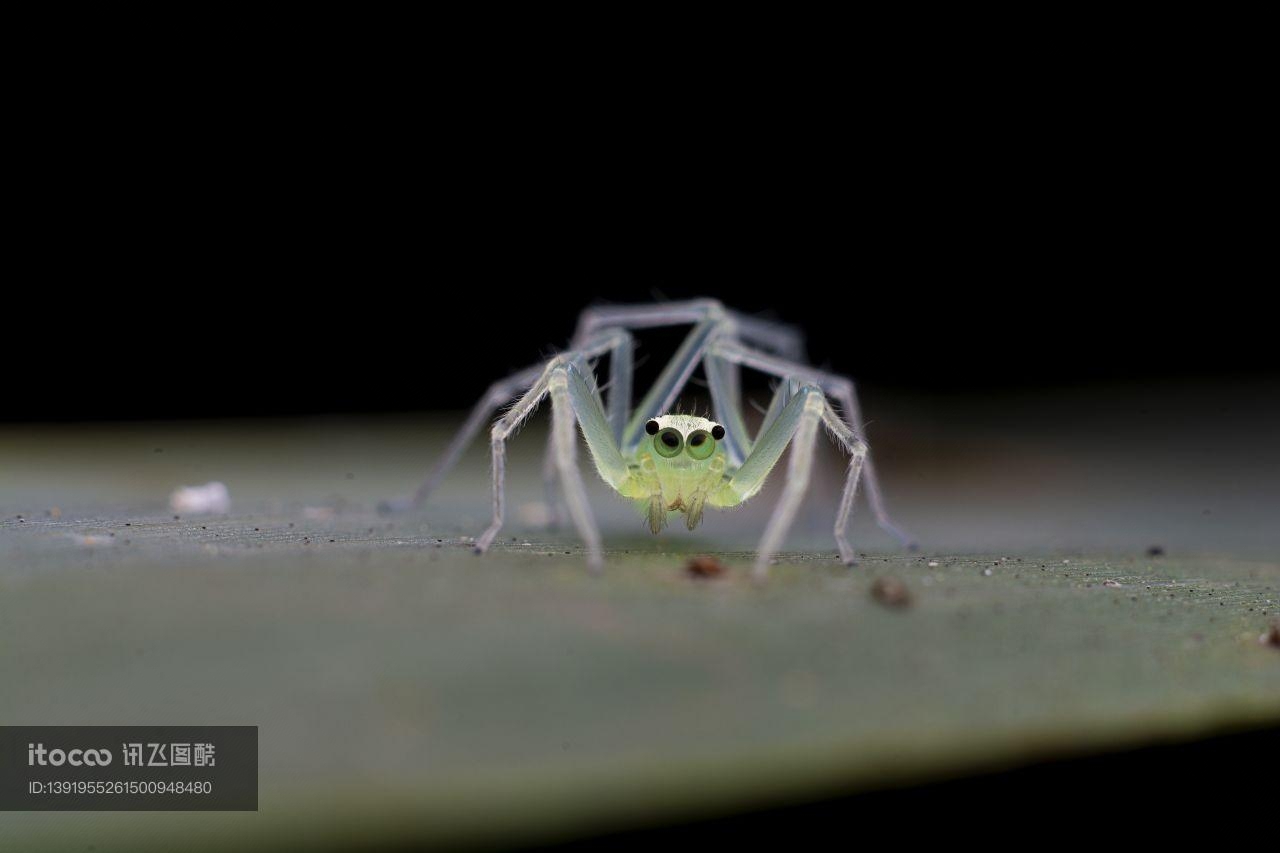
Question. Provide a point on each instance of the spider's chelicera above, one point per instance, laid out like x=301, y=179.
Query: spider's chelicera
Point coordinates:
x=669, y=462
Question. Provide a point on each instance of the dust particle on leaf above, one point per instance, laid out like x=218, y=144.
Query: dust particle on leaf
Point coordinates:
x=891, y=592
x=1155, y=551
x=705, y=567
x=1271, y=637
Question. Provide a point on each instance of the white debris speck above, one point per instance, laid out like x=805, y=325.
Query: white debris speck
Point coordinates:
x=1112, y=583
x=1064, y=562
x=933, y=564
x=986, y=572
x=209, y=499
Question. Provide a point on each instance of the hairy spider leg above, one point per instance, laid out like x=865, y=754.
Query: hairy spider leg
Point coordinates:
x=786, y=341
x=570, y=383
x=841, y=389
x=617, y=407
x=796, y=425
x=499, y=393
x=724, y=383
x=620, y=346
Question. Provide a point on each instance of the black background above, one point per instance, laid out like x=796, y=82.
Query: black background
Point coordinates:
x=343, y=249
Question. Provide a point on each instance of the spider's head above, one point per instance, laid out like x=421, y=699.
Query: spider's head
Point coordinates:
x=684, y=441
x=686, y=462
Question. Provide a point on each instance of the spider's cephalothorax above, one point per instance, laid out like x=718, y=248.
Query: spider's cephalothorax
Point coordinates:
x=680, y=469
x=677, y=463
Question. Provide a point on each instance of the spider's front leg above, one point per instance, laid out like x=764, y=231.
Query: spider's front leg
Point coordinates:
x=796, y=426
x=574, y=397
x=846, y=429
x=617, y=343
x=564, y=438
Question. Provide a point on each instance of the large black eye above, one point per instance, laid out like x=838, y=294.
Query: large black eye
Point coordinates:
x=651, y=427
x=717, y=432
x=668, y=442
x=700, y=444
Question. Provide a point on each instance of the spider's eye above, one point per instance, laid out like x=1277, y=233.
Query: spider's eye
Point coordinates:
x=651, y=427
x=701, y=444
x=717, y=432
x=668, y=442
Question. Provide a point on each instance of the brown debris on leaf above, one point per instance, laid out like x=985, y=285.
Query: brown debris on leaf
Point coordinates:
x=705, y=567
x=1271, y=637
x=891, y=592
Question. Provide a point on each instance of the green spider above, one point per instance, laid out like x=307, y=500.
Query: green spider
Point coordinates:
x=668, y=462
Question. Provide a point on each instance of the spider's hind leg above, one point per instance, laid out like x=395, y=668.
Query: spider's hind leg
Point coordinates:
x=498, y=393
x=847, y=396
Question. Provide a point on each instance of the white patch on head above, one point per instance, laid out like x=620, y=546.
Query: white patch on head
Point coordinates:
x=684, y=423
